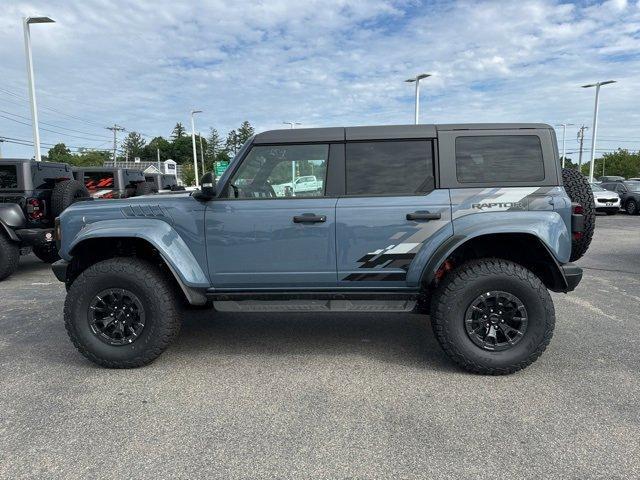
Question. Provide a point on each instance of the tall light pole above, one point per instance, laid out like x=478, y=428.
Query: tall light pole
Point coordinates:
x=564, y=134
x=193, y=141
x=595, y=123
x=416, y=80
x=291, y=124
x=26, y=21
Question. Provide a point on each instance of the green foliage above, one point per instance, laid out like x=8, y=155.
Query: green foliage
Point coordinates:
x=188, y=176
x=621, y=162
x=133, y=144
x=59, y=153
x=214, y=145
x=178, y=131
x=245, y=132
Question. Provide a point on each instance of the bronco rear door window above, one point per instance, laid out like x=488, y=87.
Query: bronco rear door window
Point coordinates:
x=499, y=158
x=8, y=176
x=390, y=167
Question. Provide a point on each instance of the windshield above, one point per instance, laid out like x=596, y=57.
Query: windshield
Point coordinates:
x=597, y=188
x=633, y=186
x=8, y=176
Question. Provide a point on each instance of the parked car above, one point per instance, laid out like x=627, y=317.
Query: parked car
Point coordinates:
x=32, y=194
x=605, y=200
x=611, y=178
x=113, y=182
x=476, y=234
x=163, y=182
x=629, y=192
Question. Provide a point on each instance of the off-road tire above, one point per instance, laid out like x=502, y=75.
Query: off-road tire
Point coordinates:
x=65, y=193
x=47, y=252
x=631, y=207
x=143, y=188
x=579, y=191
x=159, y=300
x=464, y=284
x=9, y=256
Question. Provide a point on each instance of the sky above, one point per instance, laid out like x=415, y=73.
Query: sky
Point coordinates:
x=146, y=64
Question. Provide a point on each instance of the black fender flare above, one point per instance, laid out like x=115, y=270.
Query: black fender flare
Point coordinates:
x=11, y=217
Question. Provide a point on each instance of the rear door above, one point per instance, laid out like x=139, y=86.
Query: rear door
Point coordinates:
x=390, y=210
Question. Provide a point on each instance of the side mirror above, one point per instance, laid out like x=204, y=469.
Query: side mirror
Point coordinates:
x=207, y=187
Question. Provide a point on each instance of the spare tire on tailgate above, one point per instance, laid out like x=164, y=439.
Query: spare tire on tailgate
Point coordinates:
x=579, y=191
x=65, y=193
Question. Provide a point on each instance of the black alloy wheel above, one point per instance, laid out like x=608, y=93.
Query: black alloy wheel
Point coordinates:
x=116, y=316
x=496, y=320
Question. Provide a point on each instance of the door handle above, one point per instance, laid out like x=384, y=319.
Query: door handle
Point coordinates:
x=424, y=216
x=309, y=218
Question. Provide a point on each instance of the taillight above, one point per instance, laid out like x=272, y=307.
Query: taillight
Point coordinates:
x=35, y=209
x=577, y=209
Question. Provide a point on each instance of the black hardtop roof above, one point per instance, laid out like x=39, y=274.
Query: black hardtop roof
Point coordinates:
x=106, y=169
x=14, y=161
x=379, y=132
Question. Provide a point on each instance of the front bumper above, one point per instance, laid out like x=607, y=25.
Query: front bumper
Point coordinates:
x=60, y=270
x=572, y=275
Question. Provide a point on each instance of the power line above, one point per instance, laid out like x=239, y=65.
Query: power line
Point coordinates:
x=52, y=125
x=53, y=131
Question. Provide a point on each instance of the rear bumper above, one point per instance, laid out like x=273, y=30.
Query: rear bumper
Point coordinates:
x=572, y=275
x=33, y=237
x=60, y=270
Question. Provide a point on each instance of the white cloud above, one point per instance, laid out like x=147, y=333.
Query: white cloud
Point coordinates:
x=335, y=62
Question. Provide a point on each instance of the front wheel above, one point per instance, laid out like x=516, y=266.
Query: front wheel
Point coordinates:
x=9, y=256
x=492, y=316
x=632, y=207
x=122, y=313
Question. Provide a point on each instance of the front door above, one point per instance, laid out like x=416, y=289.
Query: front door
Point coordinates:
x=389, y=213
x=265, y=232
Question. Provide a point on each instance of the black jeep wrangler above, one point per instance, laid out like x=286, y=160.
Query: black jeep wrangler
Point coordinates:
x=163, y=182
x=110, y=182
x=32, y=195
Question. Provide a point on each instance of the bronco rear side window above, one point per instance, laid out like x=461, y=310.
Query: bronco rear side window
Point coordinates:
x=8, y=176
x=499, y=158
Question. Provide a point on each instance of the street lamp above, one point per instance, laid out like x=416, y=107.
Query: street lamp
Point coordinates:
x=417, y=79
x=564, y=132
x=193, y=141
x=293, y=163
x=291, y=124
x=595, y=123
x=26, y=21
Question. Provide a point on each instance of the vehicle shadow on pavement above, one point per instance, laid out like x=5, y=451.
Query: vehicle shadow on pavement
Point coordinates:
x=400, y=338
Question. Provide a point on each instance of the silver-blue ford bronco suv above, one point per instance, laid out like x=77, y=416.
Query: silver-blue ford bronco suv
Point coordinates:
x=473, y=224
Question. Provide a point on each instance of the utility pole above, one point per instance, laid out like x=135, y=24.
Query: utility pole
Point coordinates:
x=564, y=134
x=115, y=129
x=201, y=154
x=158, y=151
x=417, y=79
x=193, y=142
x=292, y=125
x=581, y=138
x=594, y=131
x=1, y=142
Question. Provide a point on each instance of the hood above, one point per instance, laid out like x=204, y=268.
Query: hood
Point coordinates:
x=607, y=194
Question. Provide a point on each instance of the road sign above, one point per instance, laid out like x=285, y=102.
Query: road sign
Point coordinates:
x=220, y=167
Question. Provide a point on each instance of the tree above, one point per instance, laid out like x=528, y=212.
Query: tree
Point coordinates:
x=90, y=158
x=214, y=145
x=133, y=145
x=245, y=132
x=178, y=131
x=59, y=153
x=187, y=174
x=150, y=153
x=231, y=144
x=621, y=162
x=182, y=150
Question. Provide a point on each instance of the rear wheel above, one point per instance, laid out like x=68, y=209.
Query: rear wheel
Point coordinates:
x=65, y=193
x=492, y=316
x=122, y=313
x=9, y=256
x=577, y=187
x=631, y=207
x=47, y=253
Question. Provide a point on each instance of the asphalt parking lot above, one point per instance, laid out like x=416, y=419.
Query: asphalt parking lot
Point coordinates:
x=328, y=396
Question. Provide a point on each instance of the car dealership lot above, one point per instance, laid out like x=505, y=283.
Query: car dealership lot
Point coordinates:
x=328, y=396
